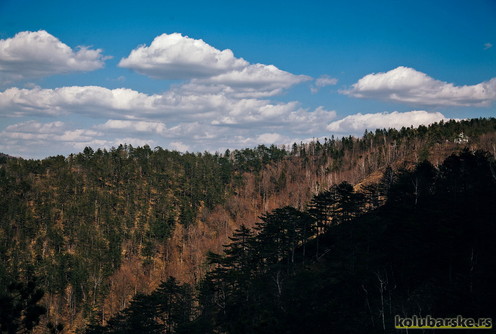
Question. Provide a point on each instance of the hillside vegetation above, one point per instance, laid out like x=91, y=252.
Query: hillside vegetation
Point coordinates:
x=95, y=229
x=345, y=265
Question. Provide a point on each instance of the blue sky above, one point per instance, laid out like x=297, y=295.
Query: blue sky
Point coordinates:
x=221, y=74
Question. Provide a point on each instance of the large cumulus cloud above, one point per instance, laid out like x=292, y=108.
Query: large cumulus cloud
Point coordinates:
x=174, y=56
x=407, y=85
x=30, y=55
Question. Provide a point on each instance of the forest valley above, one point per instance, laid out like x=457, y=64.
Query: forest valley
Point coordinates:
x=322, y=237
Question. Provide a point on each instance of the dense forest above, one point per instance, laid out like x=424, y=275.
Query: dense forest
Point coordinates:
x=131, y=239
x=346, y=265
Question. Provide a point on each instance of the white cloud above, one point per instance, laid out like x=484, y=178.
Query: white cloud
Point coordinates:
x=77, y=99
x=34, y=126
x=323, y=81
x=487, y=46
x=78, y=146
x=404, y=84
x=114, y=142
x=196, y=131
x=179, y=146
x=288, y=117
x=58, y=131
x=356, y=124
x=250, y=111
x=175, y=105
x=173, y=56
x=78, y=135
x=133, y=126
x=244, y=140
x=304, y=122
x=36, y=54
x=200, y=120
x=34, y=139
x=256, y=80
x=224, y=104
x=271, y=138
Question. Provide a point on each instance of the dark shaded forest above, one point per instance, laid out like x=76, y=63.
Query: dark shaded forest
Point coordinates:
x=118, y=239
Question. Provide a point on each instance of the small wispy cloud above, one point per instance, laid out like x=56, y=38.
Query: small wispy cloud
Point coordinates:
x=120, y=78
x=487, y=46
x=323, y=81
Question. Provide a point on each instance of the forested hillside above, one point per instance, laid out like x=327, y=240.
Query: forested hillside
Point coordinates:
x=94, y=229
x=346, y=265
